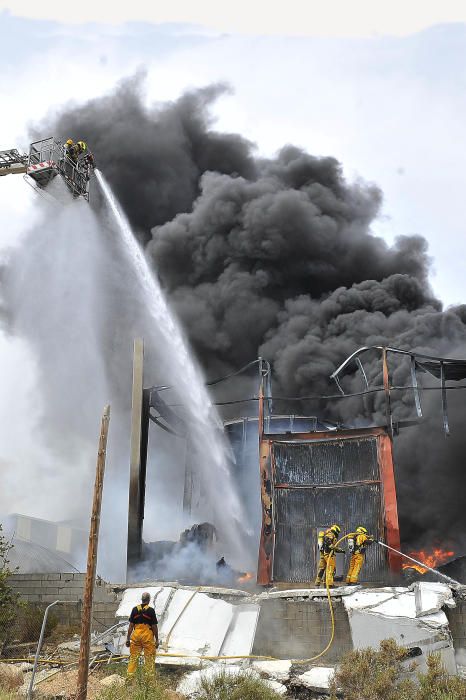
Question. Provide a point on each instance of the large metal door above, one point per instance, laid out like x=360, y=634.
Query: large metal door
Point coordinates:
x=320, y=483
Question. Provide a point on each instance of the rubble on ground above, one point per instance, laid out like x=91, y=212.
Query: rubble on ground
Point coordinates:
x=190, y=685
x=199, y=624
x=113, y=680
x=317, y=679
x=212, y=622
x=277, y=687
x=278, y=670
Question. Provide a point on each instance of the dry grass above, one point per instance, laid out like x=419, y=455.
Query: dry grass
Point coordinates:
x=64, y=683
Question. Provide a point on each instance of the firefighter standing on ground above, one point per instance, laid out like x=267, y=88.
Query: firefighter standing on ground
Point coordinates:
x=327, y=541
x=357, y=543
x=143, y=636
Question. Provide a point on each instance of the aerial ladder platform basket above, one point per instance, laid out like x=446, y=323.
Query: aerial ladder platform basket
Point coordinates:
x=46, y=159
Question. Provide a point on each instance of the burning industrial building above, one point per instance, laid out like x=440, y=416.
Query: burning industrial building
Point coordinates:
x=276, y=257
x=318, y=416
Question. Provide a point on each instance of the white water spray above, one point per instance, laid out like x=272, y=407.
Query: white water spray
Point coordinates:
x=206, y=436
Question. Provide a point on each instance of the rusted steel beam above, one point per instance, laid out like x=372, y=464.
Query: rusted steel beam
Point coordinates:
x=347, y=434
x=392, y=529
x=386, y=386
x=266, y=546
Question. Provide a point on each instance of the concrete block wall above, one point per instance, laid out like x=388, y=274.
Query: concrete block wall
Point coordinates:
x=293, y=628
x=44, y=589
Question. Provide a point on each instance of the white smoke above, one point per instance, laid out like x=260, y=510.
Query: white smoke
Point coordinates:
x=52, y=294
x=75, y=311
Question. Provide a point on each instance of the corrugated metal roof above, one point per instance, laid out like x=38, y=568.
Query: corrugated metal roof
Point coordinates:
x=31, y=558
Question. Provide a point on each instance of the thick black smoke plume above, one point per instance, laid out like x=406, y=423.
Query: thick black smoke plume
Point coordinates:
x=276, y=257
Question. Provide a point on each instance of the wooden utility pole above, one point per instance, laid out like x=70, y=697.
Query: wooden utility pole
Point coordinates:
x=83, y=670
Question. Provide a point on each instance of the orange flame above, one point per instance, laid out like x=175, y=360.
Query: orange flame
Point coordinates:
x=433, y=558
x=245, y=577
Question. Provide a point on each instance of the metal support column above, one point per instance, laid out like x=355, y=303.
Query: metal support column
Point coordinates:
x=136, y=497
x=188, y=477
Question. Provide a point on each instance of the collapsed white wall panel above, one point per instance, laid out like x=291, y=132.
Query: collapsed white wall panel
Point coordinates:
x=393, y=602
x=202, y=626
x=240, y=636
x=380, y=614
x=368, y=630
x=431, y=597
x=159, y=596
x=199, y=624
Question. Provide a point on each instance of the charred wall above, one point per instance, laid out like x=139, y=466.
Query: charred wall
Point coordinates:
x=309, y=482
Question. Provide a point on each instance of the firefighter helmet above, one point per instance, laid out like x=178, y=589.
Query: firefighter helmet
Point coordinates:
x=361, y=530
x=69, y=142
x=336, y=529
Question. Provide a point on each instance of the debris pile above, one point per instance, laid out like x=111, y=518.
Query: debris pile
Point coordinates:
x=208, y=631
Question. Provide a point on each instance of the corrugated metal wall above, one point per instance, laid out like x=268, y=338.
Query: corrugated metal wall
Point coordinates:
x=317, y=484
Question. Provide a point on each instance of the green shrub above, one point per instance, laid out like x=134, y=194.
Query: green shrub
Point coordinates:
x=8, y=599
x=436, y=684
x=370, y=674
x=243, y=686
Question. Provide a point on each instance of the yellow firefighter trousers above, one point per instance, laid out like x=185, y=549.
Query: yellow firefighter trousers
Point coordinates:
x=142, y=640
x=326, y=569
x=356, y=562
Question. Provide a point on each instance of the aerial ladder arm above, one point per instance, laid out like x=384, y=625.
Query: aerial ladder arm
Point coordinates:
x=13, y=162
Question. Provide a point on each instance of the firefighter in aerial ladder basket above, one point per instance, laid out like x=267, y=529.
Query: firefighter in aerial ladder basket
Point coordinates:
x=81, y=147
x=327, y=543
x=84, y=154
x=79, y=152
x=358, y=541
x=71, y=150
